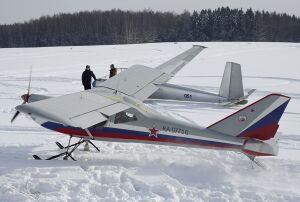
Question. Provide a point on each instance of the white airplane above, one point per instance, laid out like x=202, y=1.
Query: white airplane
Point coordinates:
x=231, y=91
x=115, y=111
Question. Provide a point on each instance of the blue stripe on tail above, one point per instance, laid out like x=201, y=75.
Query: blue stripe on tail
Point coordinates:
x=271, y=118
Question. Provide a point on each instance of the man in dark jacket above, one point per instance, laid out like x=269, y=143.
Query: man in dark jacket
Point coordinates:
x=86, y=77
x=112, y=71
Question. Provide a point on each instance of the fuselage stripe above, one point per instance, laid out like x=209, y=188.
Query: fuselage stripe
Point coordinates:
x=116, y=133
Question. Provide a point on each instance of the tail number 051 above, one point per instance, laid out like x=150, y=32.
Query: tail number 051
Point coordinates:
x=187, y=96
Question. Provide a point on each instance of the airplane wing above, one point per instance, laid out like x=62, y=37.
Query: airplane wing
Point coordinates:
x=177, y=63
x=141, y=81
x=82, y=109
x=138, y=81
x=123, y=91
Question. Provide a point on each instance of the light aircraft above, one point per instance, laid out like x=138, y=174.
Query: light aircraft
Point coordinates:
x=231, y=91
x=115, y=111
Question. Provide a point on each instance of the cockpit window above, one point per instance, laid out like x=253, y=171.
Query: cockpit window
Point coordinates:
x=124, y=117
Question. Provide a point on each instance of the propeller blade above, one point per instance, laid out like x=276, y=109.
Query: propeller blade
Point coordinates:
x=15, y=116
x=24, y=97
x=29, y=82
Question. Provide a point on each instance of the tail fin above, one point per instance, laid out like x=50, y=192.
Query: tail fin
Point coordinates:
x=232, y=82
x=258, y=120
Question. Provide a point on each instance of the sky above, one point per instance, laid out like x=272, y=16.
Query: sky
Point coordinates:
x=12, y=11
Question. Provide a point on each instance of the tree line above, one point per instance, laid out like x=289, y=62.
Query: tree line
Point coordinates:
x=123, y=27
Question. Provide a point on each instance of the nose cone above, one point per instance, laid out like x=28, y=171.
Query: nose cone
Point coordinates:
x=25, y=97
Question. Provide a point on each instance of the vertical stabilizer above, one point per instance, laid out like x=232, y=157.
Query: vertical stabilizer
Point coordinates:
x=258, y=120
x=232, y=83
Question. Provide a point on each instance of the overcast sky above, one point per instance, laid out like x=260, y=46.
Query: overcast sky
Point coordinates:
x=12, y=11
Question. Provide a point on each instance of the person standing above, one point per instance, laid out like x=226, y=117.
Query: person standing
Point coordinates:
x=112, y=71
x=86, y=77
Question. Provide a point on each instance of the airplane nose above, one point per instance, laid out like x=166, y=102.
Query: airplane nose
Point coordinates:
x=23, y=108
x=25, y=97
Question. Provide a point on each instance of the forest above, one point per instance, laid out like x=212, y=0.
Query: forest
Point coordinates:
x=147, y=26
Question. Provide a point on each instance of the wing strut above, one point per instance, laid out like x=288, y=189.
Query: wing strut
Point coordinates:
x=89, y=133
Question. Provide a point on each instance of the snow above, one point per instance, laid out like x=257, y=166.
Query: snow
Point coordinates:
x=141, y=172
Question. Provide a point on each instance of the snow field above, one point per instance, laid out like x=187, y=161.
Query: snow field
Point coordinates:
x=141, y=172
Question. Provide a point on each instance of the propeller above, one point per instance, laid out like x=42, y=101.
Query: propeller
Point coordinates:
x=24, y=97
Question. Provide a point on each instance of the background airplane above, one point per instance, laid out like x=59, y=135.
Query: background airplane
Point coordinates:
x=231, y=89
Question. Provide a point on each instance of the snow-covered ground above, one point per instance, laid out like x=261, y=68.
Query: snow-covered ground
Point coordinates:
x=137, y=172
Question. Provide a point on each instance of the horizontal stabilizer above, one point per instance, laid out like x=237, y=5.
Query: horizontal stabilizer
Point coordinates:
x=242, y=100
x=258, y=120
x=253, y=147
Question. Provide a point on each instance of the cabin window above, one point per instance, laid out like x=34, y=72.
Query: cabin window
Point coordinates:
x=124, y=117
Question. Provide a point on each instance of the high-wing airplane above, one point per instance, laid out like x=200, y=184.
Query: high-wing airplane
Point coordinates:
x=115, y=112
x=231, y=90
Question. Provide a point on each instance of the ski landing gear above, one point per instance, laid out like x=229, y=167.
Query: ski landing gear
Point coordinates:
x=70, y=149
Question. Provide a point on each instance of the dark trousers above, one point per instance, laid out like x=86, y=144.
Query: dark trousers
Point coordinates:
x=87, y=86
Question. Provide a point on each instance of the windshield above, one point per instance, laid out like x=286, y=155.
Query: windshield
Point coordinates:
x=124, y=117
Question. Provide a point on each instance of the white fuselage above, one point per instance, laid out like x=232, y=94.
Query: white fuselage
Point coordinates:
x=143, y=125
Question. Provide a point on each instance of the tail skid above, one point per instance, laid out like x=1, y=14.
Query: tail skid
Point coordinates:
x=256, y=162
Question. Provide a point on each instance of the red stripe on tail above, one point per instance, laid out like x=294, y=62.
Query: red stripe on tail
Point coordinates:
x=264, y=133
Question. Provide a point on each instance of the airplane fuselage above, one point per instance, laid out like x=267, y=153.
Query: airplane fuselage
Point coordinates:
x=151, y=128
x=175, y=92
x=167, y=135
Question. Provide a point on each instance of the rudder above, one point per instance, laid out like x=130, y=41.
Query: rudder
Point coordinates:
x=232, y=82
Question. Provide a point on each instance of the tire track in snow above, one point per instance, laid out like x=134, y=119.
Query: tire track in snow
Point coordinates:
x=23, y=87
x=39, y=78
